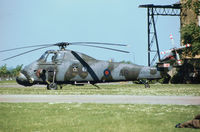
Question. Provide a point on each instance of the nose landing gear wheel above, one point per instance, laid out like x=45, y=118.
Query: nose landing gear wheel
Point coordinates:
x=52, y=86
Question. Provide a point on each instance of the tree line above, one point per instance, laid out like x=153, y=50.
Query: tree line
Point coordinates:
x=6, y=73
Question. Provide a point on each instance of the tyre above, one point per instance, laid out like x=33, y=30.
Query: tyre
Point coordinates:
x=52, y=86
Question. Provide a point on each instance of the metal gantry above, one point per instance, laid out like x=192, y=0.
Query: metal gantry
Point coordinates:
x=158, y=10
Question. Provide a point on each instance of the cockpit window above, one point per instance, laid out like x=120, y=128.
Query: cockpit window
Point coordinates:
x=50, y=57
x=43, y=57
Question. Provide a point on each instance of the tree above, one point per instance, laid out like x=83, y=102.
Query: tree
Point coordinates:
x=16, y=70
x=191, y=34
x=190, y=31
x=3, y=71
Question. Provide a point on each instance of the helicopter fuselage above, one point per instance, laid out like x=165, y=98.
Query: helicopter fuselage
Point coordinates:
x=70, y=67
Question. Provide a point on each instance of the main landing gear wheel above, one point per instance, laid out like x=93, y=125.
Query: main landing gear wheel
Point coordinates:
x=52, y=86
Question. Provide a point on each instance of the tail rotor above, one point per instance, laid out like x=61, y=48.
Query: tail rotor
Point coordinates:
x=172, y=56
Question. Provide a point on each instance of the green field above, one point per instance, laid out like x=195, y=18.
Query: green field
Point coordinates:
x=43, y=117
x=120, y=89
x=73, y=117
x=5, y=82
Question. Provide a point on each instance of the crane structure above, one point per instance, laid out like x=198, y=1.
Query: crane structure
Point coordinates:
x=157, y=10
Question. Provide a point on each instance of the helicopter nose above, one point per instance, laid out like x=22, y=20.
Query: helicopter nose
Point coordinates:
x=21, y=77
x=23, y=80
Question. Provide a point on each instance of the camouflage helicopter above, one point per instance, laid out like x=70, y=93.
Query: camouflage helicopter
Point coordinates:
x=63, y=66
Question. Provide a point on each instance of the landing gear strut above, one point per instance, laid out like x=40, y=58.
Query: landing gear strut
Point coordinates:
x=52, y=85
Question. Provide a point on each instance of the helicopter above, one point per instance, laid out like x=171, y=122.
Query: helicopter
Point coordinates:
x=63, y=66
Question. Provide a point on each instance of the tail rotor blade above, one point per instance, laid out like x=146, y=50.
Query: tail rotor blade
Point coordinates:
x=182, y=47
x=171, y=37
x=175, y=49
x=165, y=52
x=185, y=46
x=179, y=61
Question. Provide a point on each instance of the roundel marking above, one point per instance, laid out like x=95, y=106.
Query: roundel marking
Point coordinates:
x=106, y=72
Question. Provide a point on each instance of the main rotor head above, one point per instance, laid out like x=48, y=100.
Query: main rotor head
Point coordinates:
x=62, y=45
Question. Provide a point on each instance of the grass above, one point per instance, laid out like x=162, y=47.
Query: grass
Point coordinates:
x=121, y=89
x=10, y=81
x=39, y=117
x=62, y=117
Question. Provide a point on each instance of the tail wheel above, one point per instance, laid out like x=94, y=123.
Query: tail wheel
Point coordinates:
x=52, y=86
x=147, y=85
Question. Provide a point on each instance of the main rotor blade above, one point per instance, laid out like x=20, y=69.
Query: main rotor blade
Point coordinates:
x=65, y=44
x=105, y=48
x=26, y=52
x=98, y=43
x=26, y=47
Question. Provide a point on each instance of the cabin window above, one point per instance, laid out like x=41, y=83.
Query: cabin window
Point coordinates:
x=84, y=69
x=59, y=56
x=153, y=71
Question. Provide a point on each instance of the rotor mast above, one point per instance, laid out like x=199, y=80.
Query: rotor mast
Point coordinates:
x=62, y=45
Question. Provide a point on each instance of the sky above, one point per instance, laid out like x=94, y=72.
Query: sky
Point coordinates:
x=35, y=22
